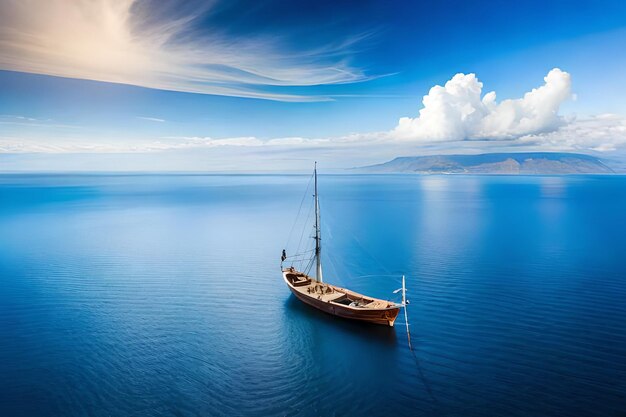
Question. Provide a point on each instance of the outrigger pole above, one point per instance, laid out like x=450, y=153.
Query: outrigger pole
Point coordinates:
x=406, y=317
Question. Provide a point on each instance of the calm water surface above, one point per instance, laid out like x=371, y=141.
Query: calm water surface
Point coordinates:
x=162, y=295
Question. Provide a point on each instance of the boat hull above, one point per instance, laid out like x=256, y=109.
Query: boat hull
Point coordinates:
x=384, y=316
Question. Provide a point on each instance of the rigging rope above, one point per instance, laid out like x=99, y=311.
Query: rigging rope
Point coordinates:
x=304, y=229
x=306, y=191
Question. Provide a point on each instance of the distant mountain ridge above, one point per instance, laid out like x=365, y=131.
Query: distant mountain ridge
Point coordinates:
x=524, y=163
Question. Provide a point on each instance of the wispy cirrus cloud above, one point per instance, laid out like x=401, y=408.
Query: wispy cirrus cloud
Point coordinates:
x=119, y=41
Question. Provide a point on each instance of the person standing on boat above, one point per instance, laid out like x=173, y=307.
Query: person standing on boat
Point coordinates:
x=283, y=256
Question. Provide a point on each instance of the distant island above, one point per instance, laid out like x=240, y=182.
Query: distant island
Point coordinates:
x=524, y=163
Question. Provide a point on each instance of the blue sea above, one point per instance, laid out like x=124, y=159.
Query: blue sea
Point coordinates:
x=161, y=295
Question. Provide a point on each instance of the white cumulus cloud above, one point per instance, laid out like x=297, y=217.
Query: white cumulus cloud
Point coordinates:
x=601, y=133
x=458, y=111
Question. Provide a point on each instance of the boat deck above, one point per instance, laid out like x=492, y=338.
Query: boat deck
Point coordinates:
x=333, y=294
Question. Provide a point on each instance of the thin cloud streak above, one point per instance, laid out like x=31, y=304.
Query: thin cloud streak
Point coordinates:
x=151, y=119
x=8, y=119
x=116, y=41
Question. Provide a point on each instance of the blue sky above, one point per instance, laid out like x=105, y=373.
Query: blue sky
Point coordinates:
x=247, y=85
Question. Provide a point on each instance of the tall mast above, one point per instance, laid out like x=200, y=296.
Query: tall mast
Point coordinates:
x=318, y=246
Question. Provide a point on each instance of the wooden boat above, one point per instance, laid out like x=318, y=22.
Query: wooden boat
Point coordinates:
x=335, y=300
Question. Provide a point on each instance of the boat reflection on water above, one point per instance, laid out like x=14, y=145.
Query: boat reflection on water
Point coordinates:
x=383, y=335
